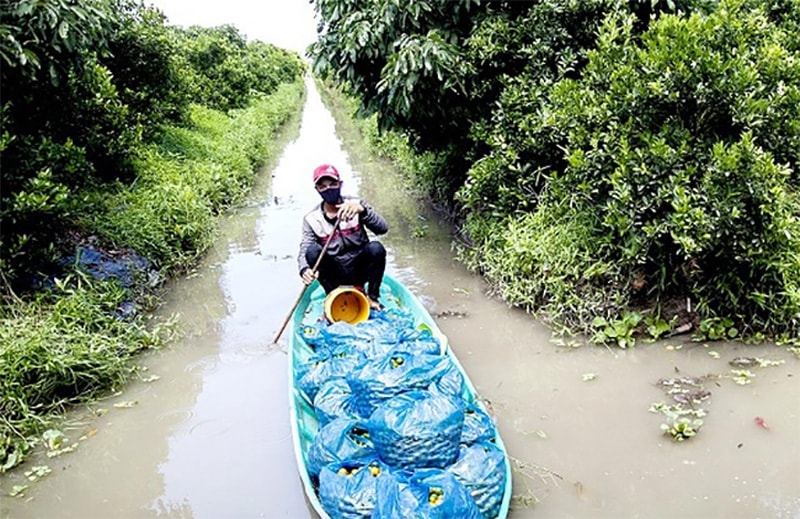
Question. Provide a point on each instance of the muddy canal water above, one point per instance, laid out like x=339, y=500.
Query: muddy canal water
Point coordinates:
x=210, y=438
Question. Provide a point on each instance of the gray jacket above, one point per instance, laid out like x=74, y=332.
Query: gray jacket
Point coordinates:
x=347, y=241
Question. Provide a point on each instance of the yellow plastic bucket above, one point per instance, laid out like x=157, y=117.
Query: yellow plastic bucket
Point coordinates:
x=347, y=304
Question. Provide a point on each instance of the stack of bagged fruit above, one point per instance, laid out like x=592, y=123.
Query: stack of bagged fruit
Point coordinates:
x=399, y=435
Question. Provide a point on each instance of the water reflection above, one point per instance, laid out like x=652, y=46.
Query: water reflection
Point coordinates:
x=233, y=458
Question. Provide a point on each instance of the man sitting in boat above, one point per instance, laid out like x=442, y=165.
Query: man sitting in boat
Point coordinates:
x=340, y=224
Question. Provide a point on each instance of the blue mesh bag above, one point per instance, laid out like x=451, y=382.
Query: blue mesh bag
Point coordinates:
x=334, y=400
x=481, y=468
x=382, y=378
x=478, y=426
x=341, y=439
x=397, y=318
x=418, y=341
x=383, y=332
x=373, y=338
x=348, y=489
x=417, y=429
x=312, y=335
x=428, y=346
x=323, y=367
x=423, y=494
x=342, y=333
x=451, y=381
x=407, y=340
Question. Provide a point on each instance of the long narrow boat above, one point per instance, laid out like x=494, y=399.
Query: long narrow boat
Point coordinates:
x=304, y=421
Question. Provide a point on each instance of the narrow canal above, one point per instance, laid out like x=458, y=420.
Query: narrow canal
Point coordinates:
x=210, y=437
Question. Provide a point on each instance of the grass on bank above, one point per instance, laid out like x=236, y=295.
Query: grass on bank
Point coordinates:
x=190, y=176
x=68, y=344
x=65, y=347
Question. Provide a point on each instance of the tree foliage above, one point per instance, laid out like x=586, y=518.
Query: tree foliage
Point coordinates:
x=51, y=35
x=403, y=60
x=661, y=139
x=84, y=85
x=684, y=144
x=224, y=69
x=435, y=69
x=147, y=68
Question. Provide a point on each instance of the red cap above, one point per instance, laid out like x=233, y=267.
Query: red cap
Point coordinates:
x=325, y=170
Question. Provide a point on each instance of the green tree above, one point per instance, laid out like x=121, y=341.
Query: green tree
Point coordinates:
x=435, y=70
x=225, y=69
x=146, y=67
x=58, y=109
x=84, y=85
x=404, y=61
x=660, y=137
x=51, y=35
x=683, y=145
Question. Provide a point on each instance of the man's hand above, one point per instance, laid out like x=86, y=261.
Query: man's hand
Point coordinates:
x=349, y=209
x=308, y=276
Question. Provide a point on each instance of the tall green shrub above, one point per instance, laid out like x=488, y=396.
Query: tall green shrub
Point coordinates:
x=684, y=144
x=435, y=70
x=63, y=123
x=147, y=69
x=224, y=69
x=193, y=174
x=84, y=86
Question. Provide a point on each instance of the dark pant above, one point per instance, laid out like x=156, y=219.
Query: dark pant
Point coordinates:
x=367, y=268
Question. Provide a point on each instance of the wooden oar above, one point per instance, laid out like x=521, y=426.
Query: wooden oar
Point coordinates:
x=313, y=271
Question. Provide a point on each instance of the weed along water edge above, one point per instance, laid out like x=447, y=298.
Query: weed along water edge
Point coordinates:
x=211, y=437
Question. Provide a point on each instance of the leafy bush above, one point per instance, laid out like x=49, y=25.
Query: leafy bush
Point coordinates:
x=63, y=123
x=76, y=134
x=436, y=71
x=224, y=69
x=683, y=144
x=69, y=343
x=43, y=199
x=196, y=173
x=420, y=170
x=85, y=86
x=148, y=71
x=548, y=261
x=49, y=36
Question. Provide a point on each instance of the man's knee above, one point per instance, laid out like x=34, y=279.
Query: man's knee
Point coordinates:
x=312, y=253
x=375, y=249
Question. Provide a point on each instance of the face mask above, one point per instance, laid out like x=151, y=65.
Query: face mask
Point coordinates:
x=331, y=195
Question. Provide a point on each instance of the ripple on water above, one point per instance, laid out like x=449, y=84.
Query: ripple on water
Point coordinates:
x=209, y=428
x=176, y=416
x=203, y=366
x=255, y=350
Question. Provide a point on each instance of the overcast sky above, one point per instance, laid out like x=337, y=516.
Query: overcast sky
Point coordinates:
x=286, y=23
